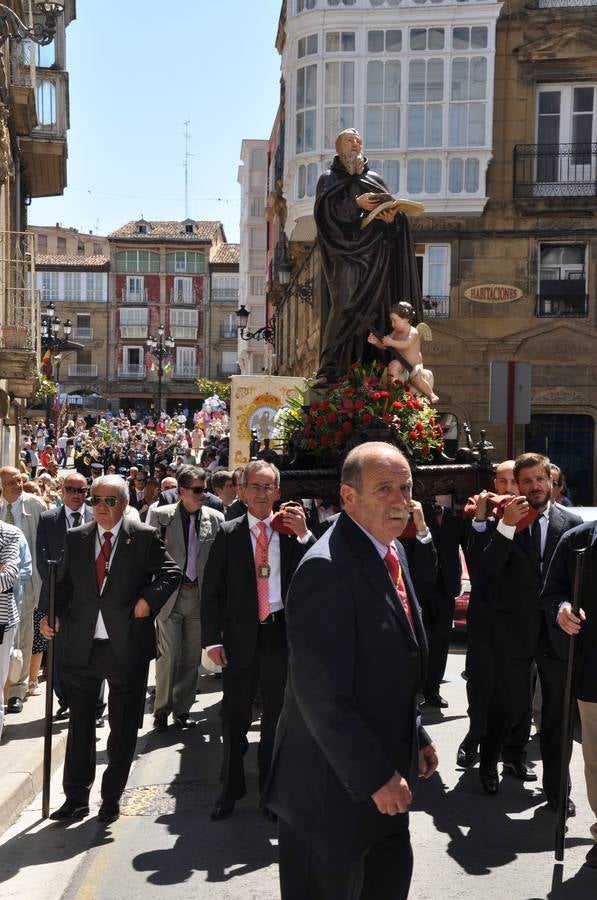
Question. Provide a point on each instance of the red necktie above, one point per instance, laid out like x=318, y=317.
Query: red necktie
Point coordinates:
x=395, y=569
x=103, y=558
x=261, y=567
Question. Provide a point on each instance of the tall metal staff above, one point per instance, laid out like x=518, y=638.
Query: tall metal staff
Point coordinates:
x=45, y=803
x=567, y=716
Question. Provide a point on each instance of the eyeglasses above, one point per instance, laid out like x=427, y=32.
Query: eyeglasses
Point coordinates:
x=75, y=490
x=196, y=490
x=109, y=501
x=267, y=488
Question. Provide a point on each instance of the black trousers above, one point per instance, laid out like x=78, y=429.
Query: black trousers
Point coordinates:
x=124, y=704
x=481, y=675
x=512, y=689
x=267, y=673
x=59, y=688
x=438, y=615
x=321, y=867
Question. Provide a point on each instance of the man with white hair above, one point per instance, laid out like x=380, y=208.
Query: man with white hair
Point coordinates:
x=115, y=578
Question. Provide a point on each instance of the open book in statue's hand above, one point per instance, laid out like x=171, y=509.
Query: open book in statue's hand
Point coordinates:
x=386, y=201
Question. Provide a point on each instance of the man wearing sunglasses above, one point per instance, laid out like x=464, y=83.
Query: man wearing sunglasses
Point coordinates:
x=188, y=529
x=115, y=578
x=50, y=539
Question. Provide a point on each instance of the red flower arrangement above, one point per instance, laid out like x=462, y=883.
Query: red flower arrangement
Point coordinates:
x=363, y=396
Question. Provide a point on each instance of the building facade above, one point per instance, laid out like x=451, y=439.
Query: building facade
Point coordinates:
x=71, y=272
x=160, y=276
x=221, y=337
x=254, y=357
x=486, y=113
x=33, y=151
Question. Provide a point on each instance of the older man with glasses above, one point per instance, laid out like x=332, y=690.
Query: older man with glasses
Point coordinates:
x=188, y=529
x=115, y=578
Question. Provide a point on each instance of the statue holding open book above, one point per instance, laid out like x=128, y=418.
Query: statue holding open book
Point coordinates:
x=368, y=259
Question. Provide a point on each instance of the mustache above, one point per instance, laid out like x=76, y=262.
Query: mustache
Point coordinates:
x=401, y=515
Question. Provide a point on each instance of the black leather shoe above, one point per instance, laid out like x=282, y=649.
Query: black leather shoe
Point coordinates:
x=436, y=699
x=489, y=781
x=185, y=721
x=160, y=722
x=269, y=814
x=570, y=807
x=221, y=811
x=70, y=809
x=61, y=713
x=467, y=755
x=15, y=705
x=99, y=722
x=109, y=811
x=518, y=770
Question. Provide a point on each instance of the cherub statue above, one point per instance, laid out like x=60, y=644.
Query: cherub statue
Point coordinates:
x=405, y=341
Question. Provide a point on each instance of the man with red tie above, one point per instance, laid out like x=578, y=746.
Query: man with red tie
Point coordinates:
x=243, y=622
x=349, y=746
x=115, y=578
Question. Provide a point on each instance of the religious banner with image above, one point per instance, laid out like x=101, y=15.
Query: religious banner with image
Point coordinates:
x=254, y=403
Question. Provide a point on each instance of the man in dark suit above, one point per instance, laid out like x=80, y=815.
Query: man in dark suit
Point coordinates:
x=349, y=746
x=242, y=620
x=115, y=578
x=510, y=574
x=51, y=535
x=556, y=599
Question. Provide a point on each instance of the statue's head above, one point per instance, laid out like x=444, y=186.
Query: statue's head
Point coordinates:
x=403, y=310
x=349, y=146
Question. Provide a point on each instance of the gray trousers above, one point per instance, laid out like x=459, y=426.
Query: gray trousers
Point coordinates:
x=24, y=641
x=179, y=645
x=5, y=648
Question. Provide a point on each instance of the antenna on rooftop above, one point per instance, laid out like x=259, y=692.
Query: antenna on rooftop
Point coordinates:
x=187, y=155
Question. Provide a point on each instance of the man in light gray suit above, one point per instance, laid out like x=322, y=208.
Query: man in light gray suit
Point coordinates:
x=188, y=529
x=22, y=510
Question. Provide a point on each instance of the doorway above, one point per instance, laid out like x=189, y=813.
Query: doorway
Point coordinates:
x=568, y=442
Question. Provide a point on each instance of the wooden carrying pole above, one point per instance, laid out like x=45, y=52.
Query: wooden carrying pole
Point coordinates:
x=567, y=714
x=45, y=803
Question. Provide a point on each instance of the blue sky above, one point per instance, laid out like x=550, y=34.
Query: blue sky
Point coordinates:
x=136, y=76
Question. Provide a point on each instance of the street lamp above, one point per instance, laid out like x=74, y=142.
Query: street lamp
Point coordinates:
x=12, y=27
x=266, y=333
x=160, y=348
x=52, y=340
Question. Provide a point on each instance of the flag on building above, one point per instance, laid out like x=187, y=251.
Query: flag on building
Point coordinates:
x=167, y=368
x=46, y=366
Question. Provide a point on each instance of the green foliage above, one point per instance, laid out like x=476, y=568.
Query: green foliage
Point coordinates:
x=45, y=388
x=208, y=387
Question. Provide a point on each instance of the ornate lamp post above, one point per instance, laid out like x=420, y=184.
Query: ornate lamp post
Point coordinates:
x=52, y=340
x=160, y=348
x=12, y=27
x=266, y=333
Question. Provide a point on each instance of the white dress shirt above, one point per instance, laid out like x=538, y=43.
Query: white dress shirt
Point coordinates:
x=101, y=633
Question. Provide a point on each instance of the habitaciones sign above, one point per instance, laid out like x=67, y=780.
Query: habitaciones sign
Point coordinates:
x=493, y=293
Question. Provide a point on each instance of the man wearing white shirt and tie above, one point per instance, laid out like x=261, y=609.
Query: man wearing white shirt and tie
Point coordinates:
x=246, y=578
x=115, y=578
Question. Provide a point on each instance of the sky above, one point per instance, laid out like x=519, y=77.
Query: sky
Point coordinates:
x=140, y=69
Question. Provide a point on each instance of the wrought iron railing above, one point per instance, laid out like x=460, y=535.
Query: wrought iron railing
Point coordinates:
x=556, y=4
x=562, y=306
x=555, y=170
x=186, y=373
x=436, y=306
x=131, y=371
x=230, y=294
x=80, y=370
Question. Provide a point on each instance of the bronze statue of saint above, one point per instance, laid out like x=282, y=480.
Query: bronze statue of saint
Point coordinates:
x=367, y=269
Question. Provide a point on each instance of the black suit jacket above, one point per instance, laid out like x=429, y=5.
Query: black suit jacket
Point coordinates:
x=229, y=592
x=559, y=585
x=140, y=567
x=349, y=719
x=49, y=544
x=510, y=577
x=447, y=537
